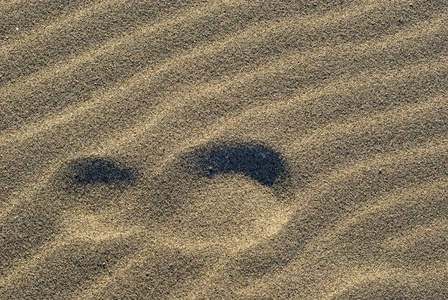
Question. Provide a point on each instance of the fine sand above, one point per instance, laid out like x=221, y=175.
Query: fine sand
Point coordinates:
x=223, y=149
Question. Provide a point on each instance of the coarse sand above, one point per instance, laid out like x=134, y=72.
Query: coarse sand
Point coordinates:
x=174, y=149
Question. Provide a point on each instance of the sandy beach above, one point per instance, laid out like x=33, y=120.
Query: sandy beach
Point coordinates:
x=224, y=149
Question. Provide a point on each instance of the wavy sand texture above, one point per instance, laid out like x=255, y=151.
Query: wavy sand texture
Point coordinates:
x=223, y=149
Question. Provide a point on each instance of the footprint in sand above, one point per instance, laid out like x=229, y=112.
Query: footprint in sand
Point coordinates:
x=220, y=197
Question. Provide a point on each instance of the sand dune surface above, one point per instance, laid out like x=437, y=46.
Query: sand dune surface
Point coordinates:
x=224, y=149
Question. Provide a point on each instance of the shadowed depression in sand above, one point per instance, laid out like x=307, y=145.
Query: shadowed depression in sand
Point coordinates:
x=223, y=149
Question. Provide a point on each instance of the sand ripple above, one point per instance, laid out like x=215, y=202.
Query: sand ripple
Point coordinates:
x=223, y=149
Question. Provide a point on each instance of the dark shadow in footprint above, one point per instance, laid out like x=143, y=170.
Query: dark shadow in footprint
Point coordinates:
x=254, y=160
x=36, y=220
x=170, y=191
x=93, y=170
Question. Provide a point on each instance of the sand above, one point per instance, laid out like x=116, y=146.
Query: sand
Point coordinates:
x=223, y=149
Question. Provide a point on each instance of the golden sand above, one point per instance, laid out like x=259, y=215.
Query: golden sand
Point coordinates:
x=223, y=149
